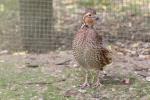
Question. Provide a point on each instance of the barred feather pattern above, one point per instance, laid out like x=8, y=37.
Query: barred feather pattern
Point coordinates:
x=88, y=49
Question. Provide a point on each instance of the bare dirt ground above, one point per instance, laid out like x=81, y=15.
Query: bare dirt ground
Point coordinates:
x=57, y=76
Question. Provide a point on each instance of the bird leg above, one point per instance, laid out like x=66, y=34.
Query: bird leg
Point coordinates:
x=86, y=83
x=97, y=83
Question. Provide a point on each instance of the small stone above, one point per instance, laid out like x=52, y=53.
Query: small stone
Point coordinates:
x=146, y=52
x=146, y=57
x=141, y=56
x=130, y=89
x=75, y=65
x=113, y=89
x=4, y=52
x=135, y=45
x=119, y=53
x=73, y=86
x=130, y=24
x=146, y=45
x=82, y=91
x=148, y=78
x=133, y=53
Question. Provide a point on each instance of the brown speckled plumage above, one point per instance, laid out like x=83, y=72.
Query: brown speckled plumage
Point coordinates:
x=88, y=48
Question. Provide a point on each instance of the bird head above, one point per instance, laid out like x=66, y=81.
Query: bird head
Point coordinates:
x=90, y=17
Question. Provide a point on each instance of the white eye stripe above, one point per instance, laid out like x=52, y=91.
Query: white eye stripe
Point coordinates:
x=86, y=15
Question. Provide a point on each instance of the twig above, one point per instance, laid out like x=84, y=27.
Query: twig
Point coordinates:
x=142, y=75
x=42, y=83
x=64, y=62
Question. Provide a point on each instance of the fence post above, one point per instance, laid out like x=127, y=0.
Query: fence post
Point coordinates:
x=36, y=20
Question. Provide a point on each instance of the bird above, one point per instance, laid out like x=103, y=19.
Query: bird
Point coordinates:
x=88, y=48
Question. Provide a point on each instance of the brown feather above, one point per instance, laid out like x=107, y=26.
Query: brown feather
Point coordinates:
x=88, y=49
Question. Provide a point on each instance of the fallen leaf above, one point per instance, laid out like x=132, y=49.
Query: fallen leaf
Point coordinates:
x=1, y=61
x=20, y=53
x=71, y=92
x=126, y=81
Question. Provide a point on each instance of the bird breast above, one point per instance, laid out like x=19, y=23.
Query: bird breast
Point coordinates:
x=89, y=51
x=85, y=45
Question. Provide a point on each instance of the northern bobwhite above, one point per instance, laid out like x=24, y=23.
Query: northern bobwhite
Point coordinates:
x=88, y=48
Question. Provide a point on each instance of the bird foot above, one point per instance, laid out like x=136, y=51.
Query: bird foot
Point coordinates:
x=97, y=84
x=85, y=85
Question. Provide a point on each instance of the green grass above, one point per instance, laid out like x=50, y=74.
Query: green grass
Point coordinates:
x=14, y=83
x=22, y=83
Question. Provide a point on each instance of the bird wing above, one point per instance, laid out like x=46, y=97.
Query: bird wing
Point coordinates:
x=104, y=56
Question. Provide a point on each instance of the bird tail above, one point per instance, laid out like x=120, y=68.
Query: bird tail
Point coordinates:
x=115, y=55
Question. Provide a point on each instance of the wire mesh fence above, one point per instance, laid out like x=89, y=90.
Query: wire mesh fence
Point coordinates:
x=44, y=25
x=36, y=18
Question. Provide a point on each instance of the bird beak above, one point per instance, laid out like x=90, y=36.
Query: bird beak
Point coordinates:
x=95, y=17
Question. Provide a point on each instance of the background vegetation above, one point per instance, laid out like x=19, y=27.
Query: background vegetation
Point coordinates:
x=55, y=75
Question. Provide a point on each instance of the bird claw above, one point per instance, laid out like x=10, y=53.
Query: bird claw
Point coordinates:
x=97, y=84
x=85, y=85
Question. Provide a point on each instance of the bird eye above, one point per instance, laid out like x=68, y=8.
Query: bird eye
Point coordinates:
x=90, y=15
